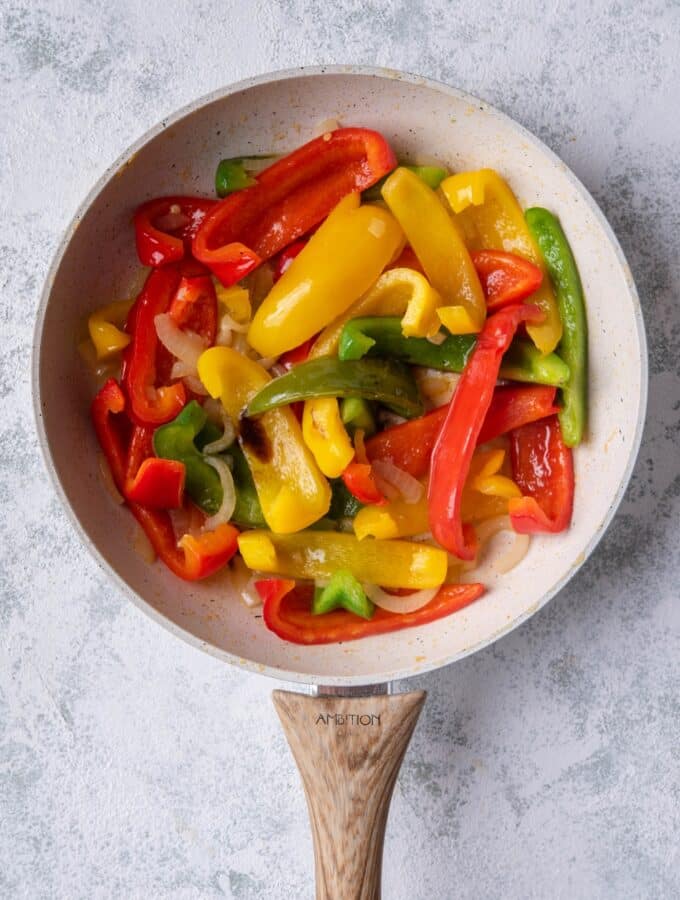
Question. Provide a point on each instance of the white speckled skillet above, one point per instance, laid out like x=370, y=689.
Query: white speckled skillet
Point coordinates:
x=96, y=263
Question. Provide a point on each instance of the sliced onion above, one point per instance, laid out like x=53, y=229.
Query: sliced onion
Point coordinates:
x=502, y=564
x=173, y=219
x=107, y=478
x=406, y=485
x=226, y=440
x=185, y=345
x=143, y=546
x=232, y=324
x=181, y=369
x=194, y=383
x=326, y=126
x=436, y=388
x=437, y=339
x=243, y=582
x=226, y=510
x=277, y=369
x=267, y=362
x=214, y=410
x=400, y=605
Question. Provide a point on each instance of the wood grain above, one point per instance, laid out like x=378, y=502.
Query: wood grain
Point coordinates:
x=349, y=751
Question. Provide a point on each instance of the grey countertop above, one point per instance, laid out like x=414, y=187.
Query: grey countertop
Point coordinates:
x=133, y=766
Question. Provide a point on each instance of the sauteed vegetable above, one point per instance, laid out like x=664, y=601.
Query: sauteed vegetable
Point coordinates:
x=344, y=378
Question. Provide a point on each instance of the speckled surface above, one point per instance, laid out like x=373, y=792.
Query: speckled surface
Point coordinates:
x=133, y=766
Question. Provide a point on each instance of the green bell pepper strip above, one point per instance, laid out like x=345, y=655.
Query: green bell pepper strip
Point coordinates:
x=383, y=380
x=356, y=413
x=181, y=440
x=431, y=175
x=231, y=176
x=344, y=505
x=546, y=230
x=342, y=591
x=381, y=336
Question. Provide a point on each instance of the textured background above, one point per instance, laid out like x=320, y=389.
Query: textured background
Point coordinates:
x=133, y=766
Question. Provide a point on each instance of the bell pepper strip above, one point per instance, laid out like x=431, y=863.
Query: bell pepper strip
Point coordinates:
x=290, y=198
x=382, y=380
x=339, y=262
x=439, y=246
x=407, y=260
x=432, y=176
x=112, y=429
x=149, y=404
x=381, y=336
x=194, y=557
x=492, y=219
x=344, y=505
x=464, y=420
x=230, y=176
x=194, y=307
x=318, y=554
x=297, y=355
x=292, y=491
x=393, y=519
x=506, y=277
x=543, y=467
x=554, y=246
x=177, y=441
x=286, y=257
x=165, y=225
x=343, y=591
x=409, y=445
x=359, y=481
x=513, y=406
x=235, y=300
x=158, y=484
x=355, y=412
x=104, y=326
x=326, y=436
x=287, y=612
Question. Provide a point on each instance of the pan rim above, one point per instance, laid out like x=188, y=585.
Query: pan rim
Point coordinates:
x=282, y=674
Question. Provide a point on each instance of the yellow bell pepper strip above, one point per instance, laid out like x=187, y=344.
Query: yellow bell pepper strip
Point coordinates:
x=292, y=491
x=337, y=265
x=398, y=292
x=318, y=554
x=394, y=519
x=326, y=436
x=439, y=246
x=234, y=300
x=487, y=490
x=491, y=219
x=105, y=326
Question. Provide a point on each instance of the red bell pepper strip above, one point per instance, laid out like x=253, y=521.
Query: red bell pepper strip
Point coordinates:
x=515, y=405
x=290, y=198
x=409, y=446
x=150, y=405
x=158, y=484
x=286, y=257
x=505, y=277
x=194, y=307
x=298, y=354
x=359, y=481
x=463, y=424
x=543, y=467
x=164, y=225
x=287, y=612
x=407, y=259
x=195, y=556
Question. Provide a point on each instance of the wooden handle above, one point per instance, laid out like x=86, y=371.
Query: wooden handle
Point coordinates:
x=349, y=752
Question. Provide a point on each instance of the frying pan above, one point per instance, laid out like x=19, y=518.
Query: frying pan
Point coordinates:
x=348, y=733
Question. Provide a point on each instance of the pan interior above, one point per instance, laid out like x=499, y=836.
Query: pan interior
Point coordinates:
x=424, y=122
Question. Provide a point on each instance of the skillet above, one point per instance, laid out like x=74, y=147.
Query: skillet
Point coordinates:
x=348, y=732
